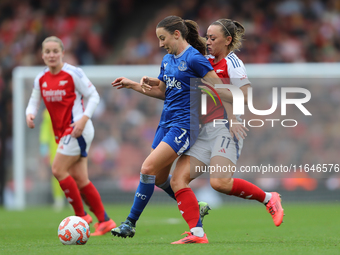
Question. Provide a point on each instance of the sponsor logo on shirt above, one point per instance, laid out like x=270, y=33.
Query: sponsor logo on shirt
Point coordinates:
x=62, y=83
x=165, y=64
x=44, y=85
x=182, y=66
x=171, y=82
x=54, y=95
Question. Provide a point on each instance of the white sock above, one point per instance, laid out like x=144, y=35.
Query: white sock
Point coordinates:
x=267, y=198
x=197, y=231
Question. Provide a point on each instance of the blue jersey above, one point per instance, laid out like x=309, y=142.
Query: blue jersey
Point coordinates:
x=182, y=101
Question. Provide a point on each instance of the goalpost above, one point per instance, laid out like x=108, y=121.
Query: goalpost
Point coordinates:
x=104, y=75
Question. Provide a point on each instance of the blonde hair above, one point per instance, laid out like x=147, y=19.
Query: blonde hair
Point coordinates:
x=234, y=29
x=53, y=39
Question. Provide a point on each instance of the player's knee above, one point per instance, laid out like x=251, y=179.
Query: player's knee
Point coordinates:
x=178, y=182
x=58, y=172
x=148, y=169
x=222, y=185
x=174, y=183
x=80, y=180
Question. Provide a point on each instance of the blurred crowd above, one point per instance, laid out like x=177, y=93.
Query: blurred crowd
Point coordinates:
x=277, y=31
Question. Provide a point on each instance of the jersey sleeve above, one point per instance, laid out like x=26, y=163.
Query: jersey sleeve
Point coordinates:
x=34, y=101
x=87, y=89
x=161, y=73
x=200, y=65
x=237, y=72
x=82, y=83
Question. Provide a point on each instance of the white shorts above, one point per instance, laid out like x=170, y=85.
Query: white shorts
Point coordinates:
x=215, y=141
x=71, y=146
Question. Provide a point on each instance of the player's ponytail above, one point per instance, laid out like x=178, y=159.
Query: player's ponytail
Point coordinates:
x=234, y=29
x=193, y=37
x=188, y=30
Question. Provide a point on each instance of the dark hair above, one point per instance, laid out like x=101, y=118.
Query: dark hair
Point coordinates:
x=234, y=29
x=188, y=30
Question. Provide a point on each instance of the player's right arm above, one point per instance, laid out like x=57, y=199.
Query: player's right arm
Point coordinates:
x=33, y=103
x=157, y=91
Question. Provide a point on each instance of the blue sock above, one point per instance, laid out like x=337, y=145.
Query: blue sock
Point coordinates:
x=143, y=194
x=167, y=188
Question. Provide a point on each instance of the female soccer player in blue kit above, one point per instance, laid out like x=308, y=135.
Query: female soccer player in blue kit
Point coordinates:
x=179, y=124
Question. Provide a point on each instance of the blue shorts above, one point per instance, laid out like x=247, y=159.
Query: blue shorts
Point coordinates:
x=179, y=139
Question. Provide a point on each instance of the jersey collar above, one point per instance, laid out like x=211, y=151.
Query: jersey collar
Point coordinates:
x=181, y=54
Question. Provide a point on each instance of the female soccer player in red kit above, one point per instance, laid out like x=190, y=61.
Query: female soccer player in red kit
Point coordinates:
x=218, y=145
x=62, y=87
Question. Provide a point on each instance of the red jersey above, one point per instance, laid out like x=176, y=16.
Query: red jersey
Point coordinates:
x=62, y=94
x=229, y=67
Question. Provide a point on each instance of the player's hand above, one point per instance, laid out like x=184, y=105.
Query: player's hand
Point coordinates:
x=237, y=129
x=122, y=82
x=206, y=90
x=78, y=126
x=145, y=84
x=30, y=120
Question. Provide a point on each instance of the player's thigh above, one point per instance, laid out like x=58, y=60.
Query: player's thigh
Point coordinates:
x=201, y=149
x=62, y=164
x=221, y=172
x=161, y=157
x=163, y=174
x=79, y=172
x=221, y=167
x=184, y=172
x=168, y=144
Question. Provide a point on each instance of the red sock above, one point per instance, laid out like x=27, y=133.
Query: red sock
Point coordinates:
x=92, y=198
x=247, y=190
x=69, y=186
x=188, y=206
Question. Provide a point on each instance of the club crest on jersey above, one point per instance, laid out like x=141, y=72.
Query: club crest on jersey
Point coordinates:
x=182, y=66
x=62, y=83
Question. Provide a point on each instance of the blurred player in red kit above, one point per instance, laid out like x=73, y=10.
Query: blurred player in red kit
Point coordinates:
x=62, y=87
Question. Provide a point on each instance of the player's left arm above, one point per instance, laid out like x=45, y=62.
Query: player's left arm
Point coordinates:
x=236, y=129
x=33, y=103
x=212, y=79
x=156, y=91
x=88, y=90
x=238, y=78
x=149, y=83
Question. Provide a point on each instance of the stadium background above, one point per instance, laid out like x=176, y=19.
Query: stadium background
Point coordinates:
x=123, y=33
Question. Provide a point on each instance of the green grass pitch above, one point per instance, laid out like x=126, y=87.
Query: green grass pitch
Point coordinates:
x=235, y=229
